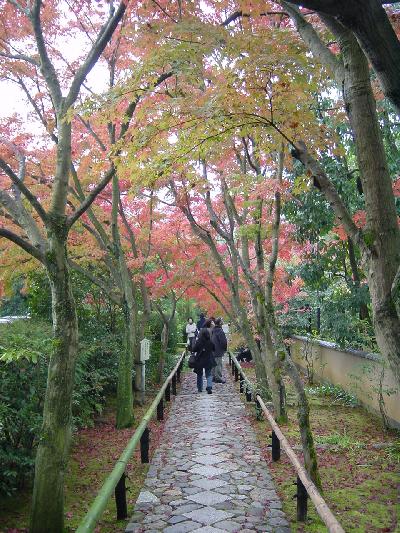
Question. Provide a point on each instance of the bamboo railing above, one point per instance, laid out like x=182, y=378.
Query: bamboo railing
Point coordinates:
x=116, y=479
x=304, y=484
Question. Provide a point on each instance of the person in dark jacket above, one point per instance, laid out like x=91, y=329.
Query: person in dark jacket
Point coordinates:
x=204, y=349
x=218, y=337
x=201, y=322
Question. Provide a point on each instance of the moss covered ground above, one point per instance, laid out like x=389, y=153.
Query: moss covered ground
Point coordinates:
x=94, y=454
x=359, y=465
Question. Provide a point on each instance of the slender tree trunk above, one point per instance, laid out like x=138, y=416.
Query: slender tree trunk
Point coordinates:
x=303, y=407
x=363, y=308
x=163, y=354
x=274, y=377
x=125, y=415
x=55, y=436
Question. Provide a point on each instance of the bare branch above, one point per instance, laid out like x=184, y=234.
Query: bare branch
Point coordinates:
x=39, y=112
x=20, y=57
x=314, y=169
x=22, y=243
x=114, y=296
x=19, y=7
x=25, y=191
x=165, y=11
x=46, y=66
x=101, y=42
x=91, y=197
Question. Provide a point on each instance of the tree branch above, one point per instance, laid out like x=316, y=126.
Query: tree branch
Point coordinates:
x=46, y=66
x=23, y=218
x=21, y=57
x=22, y=243
x=101, y=42
x=115, y=297
x=25, y=191
x=314, y=169
x=91, y=198
x=318, y=48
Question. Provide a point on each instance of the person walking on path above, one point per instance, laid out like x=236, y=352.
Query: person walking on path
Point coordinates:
x=204, y=349
x=191, y=329
x=201, y=321
x=219, y=339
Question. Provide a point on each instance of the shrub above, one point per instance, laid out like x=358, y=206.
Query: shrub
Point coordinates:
x=24, y=354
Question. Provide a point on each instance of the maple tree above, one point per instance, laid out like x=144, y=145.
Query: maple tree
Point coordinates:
x=185, y=154
x=42, y=219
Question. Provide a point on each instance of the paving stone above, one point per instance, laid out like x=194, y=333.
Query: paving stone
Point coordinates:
x=207, y=471
x=245, y=488
x=275, y=513
x=207, y=459
x=147, y=497
x=278, y=522
x=177, y=503
x=186, y=508
x=191, y=490
x=209, y=484
x=229, y=525
x=209, y=529
x=133, y=528
x=208, y=515
x=176, y=519
x=208, y=497
x=225, y=506
x=183, y=527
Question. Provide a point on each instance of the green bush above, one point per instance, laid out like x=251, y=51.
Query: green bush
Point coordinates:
x=24, y=354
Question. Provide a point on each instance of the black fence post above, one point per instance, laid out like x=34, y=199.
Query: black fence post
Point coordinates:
x=160, y=410
x=236, y=373
x=120, y=498
x=258, y=409
x=301, y=501
x=241, y=383
x=174, y=384
x=229, y=357
x=276, y=447
x=168, y=393
x=248, y=394
x=178, y=374
x=144, y=446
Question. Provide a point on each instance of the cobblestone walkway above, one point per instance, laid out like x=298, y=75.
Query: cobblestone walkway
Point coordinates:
x=207, y=475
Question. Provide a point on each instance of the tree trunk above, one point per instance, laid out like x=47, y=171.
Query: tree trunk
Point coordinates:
x=379, y=242
x=163, y=354
x=55, y=436
x=274, y=376
x=381, y=234
x=363, y=308
x=303, y=408
x=125, y=415
x=370, y=23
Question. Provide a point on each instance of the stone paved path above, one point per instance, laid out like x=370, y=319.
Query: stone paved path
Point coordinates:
x=207, y=475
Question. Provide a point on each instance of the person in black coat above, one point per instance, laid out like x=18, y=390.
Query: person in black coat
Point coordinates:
x=201, y=322
x=204, y=349
x=219, y=339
